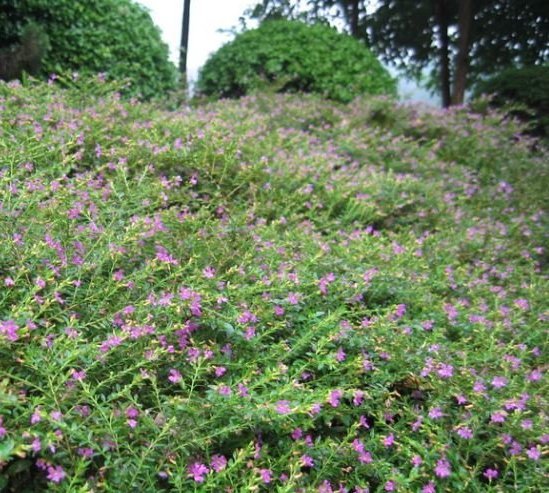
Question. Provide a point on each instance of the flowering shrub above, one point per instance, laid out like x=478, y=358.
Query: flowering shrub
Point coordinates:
x=274, y=294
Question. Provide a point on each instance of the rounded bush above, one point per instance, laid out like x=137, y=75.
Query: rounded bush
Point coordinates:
x=117, y=37
x=527, y=86
x=291, y=56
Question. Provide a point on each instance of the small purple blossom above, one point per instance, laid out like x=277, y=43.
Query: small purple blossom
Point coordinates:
x=174, y=376
x=416, y=461
x=499, y=382
x=491, y=474
x=197, y=471
x=464, y=432
x=533, y=453
x=307, y=461
x=389, y=440
x=218, y=462
x=266, y=475
x=56, y=474
x=283, y=407
x=430, y=487
x=445, y=371
x=443, y=468
x=334, y=397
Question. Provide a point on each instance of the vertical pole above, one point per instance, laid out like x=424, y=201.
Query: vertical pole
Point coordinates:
x=184, y=47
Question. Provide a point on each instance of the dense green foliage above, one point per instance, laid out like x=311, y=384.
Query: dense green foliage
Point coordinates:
x=277, y=293
x=116, y=37
x=527, y=86
x=408, y=33
x=292, y=56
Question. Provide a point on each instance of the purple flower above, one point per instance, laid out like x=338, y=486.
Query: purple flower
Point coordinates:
x=443, y=468
x=174, y=376
x=283, y=407
x=224, y=390
x=164, y=256
x=429, y=488
x=9, y=329
x=340, y=355
x=334, y=397
x=522, y=303
x=197, y=471
x=56, y=474
x=491, y=474
x=293, y=298
x=464, y=432
x=243, y=390
x=307, y=461
x=218, y=462
x=389, y=440
x=266, y=475
x=279, y=311
x=499, y=382
x=535, y=375
x=315, y=408
x=445, y=371
x=390, y=486
x=247, y=317
x=365, y=457
x=533, y=453
x=436, y=413
x=416, y=461
x=498, y=417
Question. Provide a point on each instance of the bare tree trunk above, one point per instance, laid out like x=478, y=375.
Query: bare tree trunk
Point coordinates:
x=441, y=15
x=354, y=18
x=184, y=47
x=465, y=19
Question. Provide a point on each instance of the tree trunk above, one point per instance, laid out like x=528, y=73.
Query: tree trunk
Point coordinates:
x=354, y=18
x=184, y=47
x=465, y=19
x=441, y=15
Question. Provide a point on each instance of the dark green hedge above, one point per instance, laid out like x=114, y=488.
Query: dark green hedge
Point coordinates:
x=291, y=56
x=117, y=37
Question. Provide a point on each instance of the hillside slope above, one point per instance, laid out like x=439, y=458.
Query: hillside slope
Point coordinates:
x=270, y=294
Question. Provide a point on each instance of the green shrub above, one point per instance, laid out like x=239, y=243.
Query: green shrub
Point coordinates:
x=117, y=37
x=529, y=88
x=291, y=56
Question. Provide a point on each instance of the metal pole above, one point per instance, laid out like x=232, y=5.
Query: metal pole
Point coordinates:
x=184, y=39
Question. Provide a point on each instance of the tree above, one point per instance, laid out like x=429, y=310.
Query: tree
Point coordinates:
x=460, y=41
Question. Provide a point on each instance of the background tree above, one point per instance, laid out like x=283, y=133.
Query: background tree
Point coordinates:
x=117, y=37
x=459, y=41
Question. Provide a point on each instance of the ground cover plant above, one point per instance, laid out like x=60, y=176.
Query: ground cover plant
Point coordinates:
x=273, y=294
